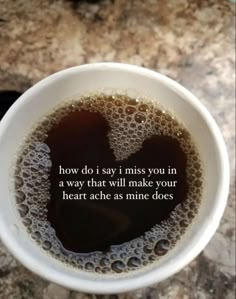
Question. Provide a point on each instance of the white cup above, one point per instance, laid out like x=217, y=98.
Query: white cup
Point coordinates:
x=41, y=98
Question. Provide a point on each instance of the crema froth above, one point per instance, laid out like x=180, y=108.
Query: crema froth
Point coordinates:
x=111, y=132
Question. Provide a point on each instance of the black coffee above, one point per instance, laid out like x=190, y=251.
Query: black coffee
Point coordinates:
x=108, y=132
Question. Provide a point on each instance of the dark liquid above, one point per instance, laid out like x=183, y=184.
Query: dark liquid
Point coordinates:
x=84, y=225
x=107, y=236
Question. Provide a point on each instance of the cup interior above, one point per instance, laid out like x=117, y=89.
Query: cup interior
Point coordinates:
x=110, y=77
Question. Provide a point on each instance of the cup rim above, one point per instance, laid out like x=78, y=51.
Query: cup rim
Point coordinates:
x=148, y=277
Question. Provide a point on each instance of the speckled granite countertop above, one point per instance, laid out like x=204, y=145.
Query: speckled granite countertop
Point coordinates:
x=190, y=41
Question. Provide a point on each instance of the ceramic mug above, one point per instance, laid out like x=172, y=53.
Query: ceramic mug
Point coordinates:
x=41, y=98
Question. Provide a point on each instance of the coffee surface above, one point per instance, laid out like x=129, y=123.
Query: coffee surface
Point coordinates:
x=108, y=132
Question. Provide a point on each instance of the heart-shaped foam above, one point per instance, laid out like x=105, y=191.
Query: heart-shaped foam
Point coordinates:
x=81, y=138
